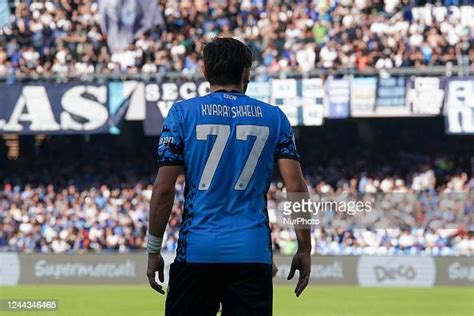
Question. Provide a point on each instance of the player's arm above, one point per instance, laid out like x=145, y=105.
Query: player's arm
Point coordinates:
x=294, y=182
x=171, y=161
x=161, y=204
x=162, y=199
x=288, y=162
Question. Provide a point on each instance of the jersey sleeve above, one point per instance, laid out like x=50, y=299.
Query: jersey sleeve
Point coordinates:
x=171, y=144
x=286, y=146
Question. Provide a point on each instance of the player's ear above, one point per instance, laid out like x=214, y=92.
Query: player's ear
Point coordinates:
x=204, y=70
x=245, y=79
x=246, y=75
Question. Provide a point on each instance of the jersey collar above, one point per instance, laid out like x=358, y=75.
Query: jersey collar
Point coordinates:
x=227, y=91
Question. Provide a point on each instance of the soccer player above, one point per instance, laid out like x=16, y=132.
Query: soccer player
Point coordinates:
x=226, y=143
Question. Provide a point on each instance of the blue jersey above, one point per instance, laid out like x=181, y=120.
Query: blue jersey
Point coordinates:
x=228, y=144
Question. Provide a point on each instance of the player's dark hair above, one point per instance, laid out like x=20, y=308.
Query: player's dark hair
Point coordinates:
x=225, y=59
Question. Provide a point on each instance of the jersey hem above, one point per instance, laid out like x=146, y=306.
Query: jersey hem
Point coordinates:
x=287, y=157
x=213, y=260
x=171, y=163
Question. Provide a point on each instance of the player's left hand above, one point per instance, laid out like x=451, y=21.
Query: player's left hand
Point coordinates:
x=301, y=262
x=156, y=264
x=274, y=269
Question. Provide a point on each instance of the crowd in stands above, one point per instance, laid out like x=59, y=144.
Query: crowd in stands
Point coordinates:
x=59, y=37
x=103, y=206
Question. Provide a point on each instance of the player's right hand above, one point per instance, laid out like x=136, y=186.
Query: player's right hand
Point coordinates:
x=156, y=264
x=274, y=269
x=301, y=262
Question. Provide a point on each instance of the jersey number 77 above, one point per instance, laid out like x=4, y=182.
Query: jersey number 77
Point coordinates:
x=222, y=133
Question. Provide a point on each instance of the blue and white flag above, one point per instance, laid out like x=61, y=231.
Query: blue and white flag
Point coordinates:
x=337, y=98
x=125, y=20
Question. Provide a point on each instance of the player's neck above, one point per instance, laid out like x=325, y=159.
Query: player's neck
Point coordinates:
x=226, y=88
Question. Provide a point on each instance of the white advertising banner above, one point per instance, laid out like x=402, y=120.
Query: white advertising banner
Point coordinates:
x=363, y=95
x=396, y=271
x=284, y=88
x=9, y=268
x=368, y=271
x=313, y=113
x=260, y=90
x=460, y=106
x=425, y=96
x=313, y=88
x=291, y=113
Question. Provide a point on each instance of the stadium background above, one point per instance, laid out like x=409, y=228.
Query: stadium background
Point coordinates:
x=380, y=94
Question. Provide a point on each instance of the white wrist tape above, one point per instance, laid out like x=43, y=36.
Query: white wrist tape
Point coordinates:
x=154, y=244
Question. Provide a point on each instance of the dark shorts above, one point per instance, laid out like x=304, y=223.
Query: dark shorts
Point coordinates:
x=201, y=288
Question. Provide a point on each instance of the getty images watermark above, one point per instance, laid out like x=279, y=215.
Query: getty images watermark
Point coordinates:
x=302, y=210
x=373, y=210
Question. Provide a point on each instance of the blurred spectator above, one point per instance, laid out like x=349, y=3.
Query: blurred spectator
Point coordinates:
x=64, y=37
x=416, y=215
